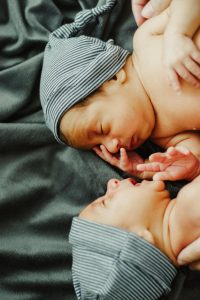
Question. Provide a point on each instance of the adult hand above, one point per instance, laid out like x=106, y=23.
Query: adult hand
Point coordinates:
x=191, y=255
x=145, y=9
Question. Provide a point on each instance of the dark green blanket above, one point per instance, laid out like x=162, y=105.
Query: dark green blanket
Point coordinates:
x=43, y=184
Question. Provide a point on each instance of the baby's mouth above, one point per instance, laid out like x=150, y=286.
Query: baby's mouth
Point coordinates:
x=133, y=181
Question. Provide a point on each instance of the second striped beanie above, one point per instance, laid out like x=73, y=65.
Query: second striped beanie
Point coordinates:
x=113, y=264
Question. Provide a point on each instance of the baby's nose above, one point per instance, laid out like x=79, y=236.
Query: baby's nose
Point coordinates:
x=113, y=184
x=112, y=145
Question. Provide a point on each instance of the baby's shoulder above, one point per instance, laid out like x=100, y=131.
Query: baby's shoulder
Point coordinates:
x=149, y=29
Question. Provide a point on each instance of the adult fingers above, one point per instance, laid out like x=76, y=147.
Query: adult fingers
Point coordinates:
x=154, y=7
x=137, y=6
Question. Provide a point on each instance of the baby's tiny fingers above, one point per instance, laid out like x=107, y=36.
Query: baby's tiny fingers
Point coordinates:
x=193, y=67
x=110, y=157
x=173, y=80
x=141, y=167
x=196, y=56
x=123, y=153
x=153, y=167
x=158, y=157
x=98, y=152
x=124, y=160
x=105, y=153
x=186, y=75
x=161, y=176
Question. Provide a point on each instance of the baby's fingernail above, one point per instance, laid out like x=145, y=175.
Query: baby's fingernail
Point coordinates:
x=147, y=11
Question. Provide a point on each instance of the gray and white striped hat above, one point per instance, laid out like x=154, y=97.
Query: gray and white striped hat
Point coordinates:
x=113, y=264
x=75, y=65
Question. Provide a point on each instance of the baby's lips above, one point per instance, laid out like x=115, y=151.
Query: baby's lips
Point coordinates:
x=133, y=181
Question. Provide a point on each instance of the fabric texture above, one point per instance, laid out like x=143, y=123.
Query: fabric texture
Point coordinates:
x=75, y=65
x=111, y=263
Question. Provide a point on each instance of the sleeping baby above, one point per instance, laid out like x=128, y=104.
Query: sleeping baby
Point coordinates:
x=96, y=95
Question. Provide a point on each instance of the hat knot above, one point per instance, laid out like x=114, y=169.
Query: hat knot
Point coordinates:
x=83, y=18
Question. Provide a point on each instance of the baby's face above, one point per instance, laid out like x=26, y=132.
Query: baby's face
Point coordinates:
x=112, y=118
x=130, y=206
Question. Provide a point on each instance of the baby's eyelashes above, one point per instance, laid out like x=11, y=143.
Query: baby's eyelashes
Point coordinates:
x=104, y=129
x=99, y=128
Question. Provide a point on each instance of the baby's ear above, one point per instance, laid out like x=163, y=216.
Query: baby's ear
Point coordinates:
x=118, y=79
x=120, y=76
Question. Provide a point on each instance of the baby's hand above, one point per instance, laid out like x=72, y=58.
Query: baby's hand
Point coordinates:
x=181, y=60
x=126, y=162
x=174, y=164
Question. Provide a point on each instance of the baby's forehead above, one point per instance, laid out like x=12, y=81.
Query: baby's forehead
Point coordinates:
x=72, y=124
x=83, y=120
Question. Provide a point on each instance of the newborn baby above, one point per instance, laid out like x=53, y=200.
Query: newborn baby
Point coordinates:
x=126, y=243
x=146, y=209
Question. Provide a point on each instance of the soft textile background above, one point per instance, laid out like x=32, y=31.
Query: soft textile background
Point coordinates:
x=43, y=184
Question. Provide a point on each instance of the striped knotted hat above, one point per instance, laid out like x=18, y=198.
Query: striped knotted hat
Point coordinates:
x=113, y=264
x=75, y=65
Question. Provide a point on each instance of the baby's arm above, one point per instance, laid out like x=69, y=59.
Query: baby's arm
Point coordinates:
x=178, y=25
x=180, y=161
x=184, y=17
x=181, y=56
